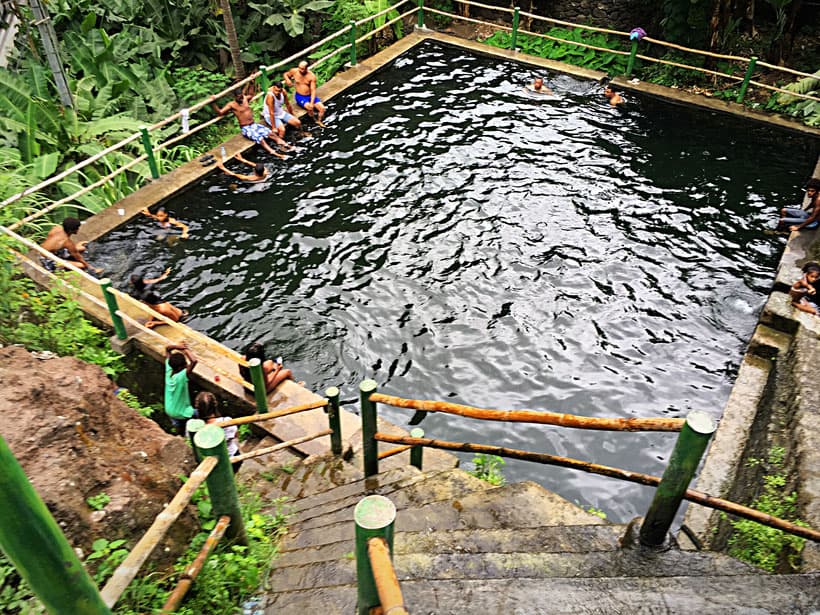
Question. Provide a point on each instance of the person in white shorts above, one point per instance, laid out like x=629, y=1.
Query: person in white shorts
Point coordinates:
x=274, y=110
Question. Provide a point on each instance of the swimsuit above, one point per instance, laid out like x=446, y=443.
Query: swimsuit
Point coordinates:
x=255, y=132
x=51, y=265
x=304, y=99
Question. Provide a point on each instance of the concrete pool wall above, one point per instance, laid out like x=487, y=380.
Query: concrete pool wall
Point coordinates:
x=764, y=387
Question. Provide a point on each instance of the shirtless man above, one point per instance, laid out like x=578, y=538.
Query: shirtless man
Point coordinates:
x=538, y=87
x=166, y=221
x=241, y=108
x=615, y=99
x=274, y=110
x=260, y=173
x=305, y=96
x=59, y=242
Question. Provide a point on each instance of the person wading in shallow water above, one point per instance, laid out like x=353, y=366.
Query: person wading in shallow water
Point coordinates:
x=241, y=108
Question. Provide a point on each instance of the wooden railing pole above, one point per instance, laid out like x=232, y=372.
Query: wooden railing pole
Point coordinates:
x=691, y=444
x=516, y=17
x=374, y=516
x=210, y=442
x=334, y=420
x=32, y=540
x=149, y=152
x=416, y=452
x=260, y=391
x=370, y=448
x=352, y=43
x=111, y=302
x=744, y=86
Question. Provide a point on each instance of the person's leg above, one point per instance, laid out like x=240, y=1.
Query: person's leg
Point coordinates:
x=279, y=126
x=278, y=377
x=293, y=121
x=320, y=108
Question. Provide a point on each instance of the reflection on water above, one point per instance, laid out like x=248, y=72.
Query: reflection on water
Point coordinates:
x=455, y=238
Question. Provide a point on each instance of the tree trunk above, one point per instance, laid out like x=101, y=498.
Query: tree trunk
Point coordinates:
x=233, y=41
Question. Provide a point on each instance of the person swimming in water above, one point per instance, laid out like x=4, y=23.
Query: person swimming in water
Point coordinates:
x=538, y=87
x=142, y=289
x=260, y=173
x=166, y=221
x=615, y=99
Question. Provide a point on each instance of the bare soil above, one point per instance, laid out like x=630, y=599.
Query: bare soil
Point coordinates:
x=75, y=439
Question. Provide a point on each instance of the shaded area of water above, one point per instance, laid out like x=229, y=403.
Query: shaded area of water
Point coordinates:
x=455, y=238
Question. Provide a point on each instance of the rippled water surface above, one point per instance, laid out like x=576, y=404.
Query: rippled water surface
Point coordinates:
x=455, y=238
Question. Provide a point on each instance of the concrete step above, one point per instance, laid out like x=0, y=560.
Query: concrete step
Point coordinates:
x=620, y=563
x=728, y=595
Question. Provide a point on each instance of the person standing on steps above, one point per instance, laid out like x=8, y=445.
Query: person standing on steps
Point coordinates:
x=304, y=80
x=208, y=410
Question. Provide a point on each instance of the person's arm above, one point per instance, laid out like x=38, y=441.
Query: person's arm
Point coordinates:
x=288, y=106
x=147, y=212
x=171, y=347
x=813, y=217
x=160, y=278
x=192, y=360
x=180, y=225
x=271, y=108
x=804, y=307
x=313, y=89
x=77, y=256
x=243, y=160
x=223, y=110
x=286, y=78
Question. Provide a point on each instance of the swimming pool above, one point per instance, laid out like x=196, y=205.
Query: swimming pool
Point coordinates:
x=455, y=238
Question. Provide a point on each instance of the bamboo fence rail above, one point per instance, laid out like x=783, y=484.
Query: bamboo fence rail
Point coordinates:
x=783, y=91
x=467, y=19
x=50, y=255
x=384, y=576
x=393, y=451
x=635, y=477
x=532, y=416
x=617, y=52
x=490, y=7
x=719, y=56
x=786, y=70
x=129, y=568
x=569, y=24
x=688, y=67
x=257, y=418
x=279, y=447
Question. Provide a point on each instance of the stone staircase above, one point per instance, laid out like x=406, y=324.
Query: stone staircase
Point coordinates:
x=464, y=546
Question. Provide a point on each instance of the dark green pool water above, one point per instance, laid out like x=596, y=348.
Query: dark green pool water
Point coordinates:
x=454, y=238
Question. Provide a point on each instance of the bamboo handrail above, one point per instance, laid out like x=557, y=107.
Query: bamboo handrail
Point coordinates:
x=635, y=477
x=192, y=572
x=532, y=416
x=784, y=91
x=786, y=70
x=50, y=255
x=688, y=66
x=384, y=575
x=126, y=571
x=490, y=7
x=578, y=43
x=386, y=25
x=393, y=451
x=711, y=54
x=257, y=418
x=279, y=447
x=467, y=19
x=79, y=193
x=380, y=13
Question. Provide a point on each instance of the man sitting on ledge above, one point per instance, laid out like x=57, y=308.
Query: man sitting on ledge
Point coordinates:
x=241, y=108
x=59, y=242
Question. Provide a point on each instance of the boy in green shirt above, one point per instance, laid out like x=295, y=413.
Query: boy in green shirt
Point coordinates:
x=179, y=364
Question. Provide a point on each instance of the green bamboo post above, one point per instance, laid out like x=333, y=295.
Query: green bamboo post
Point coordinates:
x=352, y=43
x=32, y=540
x=417, y=451
x=370, y=447
x=745, y=85
x=149, y=152
x=374, y=516
x=260, y=391
x=210, y=442
x=632, y=53
x=421, y=14
x=692, y=441
x=334, y=420
x=192, y=427
x=514, y=38
x=111, y=302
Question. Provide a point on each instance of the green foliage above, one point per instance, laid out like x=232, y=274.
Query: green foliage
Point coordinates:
x=99, y=501
x=48, y=319
x=807, y=110
x=104, y=558
x=596, y=511
x=192, y=84
x=565, y=51
x=686, y=21
x=767, y=547
x=488, y=468
x=245, y=432
x=15, y=594
x=133, y=402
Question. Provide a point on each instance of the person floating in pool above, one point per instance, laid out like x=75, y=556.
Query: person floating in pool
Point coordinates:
x=305, y=96
x=142, y=289
x=260, y=173
x=538, y=87
x=241, y=108
x=794, y=218
x=274, y=373
x=166, y=221
x=276, y=101
x=614, y=97
x=59, y=242
x=804, y=292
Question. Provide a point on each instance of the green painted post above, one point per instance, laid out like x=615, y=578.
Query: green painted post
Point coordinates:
x=210, y=442
x=514, y=38
x=374, y=516
x=111, y=302
x=745, y=85
x=421, y=14
x=191, y=428
x=334, y=419
x=633, y=52
x=352, y=43
x=683, y=463
x=32, y=540
x=370, y=447
x=260, y=391
x=417, y=451
x=149, y=151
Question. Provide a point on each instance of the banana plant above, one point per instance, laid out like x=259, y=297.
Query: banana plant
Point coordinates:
x=290, y=14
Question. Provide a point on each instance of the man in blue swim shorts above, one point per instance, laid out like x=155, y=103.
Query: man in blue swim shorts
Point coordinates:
x=305, y=96
x=240, y=107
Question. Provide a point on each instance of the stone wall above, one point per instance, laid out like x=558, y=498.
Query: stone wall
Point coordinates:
x=616, y=14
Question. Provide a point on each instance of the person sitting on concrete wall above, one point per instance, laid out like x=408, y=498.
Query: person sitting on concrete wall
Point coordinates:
x=273, y=371
x=804, y=292
x=807, y=216
x=59, y=242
